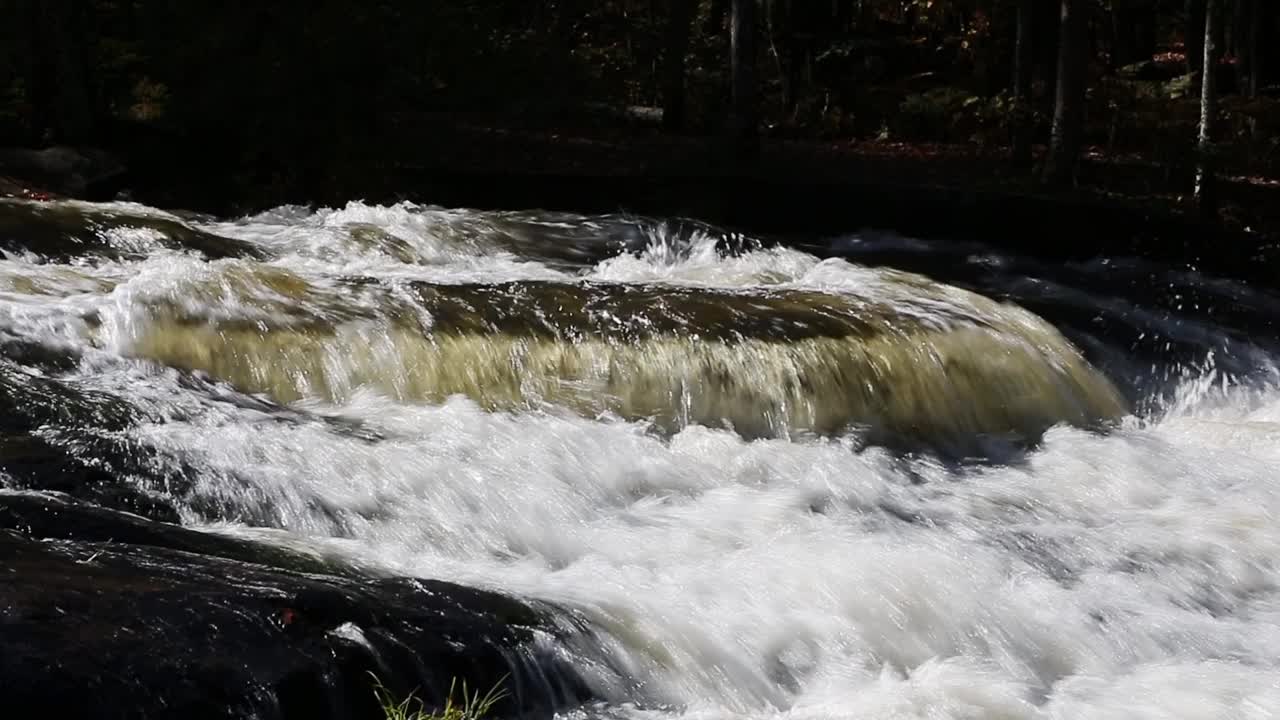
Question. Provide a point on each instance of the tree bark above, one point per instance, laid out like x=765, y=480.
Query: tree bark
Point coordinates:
x=1023, y=62
x=1068, y=115
x=1205, y=189
x=781, y=34
x=679, y=20
x=743, y=115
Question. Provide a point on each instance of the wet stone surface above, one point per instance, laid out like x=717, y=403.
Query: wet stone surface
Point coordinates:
x=159, y=622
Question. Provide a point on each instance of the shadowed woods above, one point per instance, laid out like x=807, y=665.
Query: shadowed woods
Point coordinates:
x=243, y=109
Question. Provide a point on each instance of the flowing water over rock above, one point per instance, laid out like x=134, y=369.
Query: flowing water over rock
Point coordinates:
x=638, y=468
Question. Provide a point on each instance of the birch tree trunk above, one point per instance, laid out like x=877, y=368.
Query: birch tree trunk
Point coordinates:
x=1068, y=116
x=1205, y=190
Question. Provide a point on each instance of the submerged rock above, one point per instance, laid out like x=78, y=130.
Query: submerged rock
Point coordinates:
x=66, y=228
x=909, y=360
x=67, y=170
x=53, y=515
x=142, y=618
x=58, y=437
x=164, y=622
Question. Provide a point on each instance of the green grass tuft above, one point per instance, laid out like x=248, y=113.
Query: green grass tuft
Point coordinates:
x=471, y=706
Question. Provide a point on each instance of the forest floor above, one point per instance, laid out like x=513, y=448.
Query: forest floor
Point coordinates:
x=1248, y=204
x=609, y=168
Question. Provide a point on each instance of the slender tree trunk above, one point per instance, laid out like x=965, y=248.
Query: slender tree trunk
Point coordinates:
x=1205, y=190
x=1023, y=62
x=1068, y=115
x=679, y=20
x=779, y=20
x=743, y=117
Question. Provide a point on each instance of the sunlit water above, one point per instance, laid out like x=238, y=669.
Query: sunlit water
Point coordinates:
x=1126, y=569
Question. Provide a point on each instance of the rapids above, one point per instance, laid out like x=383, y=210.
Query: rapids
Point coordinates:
x=866, y=476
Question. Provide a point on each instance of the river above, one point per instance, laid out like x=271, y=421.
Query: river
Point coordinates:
x=861, y=476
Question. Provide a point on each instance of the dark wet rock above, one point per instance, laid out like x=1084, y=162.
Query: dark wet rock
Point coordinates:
x=632, y=311
x=145, y=628
x=14, y=187
x=110, y=614
x=60, y=438
x=66, y=170
x=66, y=230
x=57, y=435
x=60, y=516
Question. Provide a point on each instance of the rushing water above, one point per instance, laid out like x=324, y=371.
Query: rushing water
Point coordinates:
x=770, y=483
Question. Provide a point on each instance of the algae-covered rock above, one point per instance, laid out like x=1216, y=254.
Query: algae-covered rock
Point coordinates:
x=913, y=360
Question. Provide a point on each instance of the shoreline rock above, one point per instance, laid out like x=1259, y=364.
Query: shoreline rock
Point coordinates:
x=147, y=628
x=63, y=170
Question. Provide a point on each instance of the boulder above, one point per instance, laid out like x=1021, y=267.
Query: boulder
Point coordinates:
x=64, y=170
x=107, y=615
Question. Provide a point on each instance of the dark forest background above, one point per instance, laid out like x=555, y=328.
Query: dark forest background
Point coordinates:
x=303, y=100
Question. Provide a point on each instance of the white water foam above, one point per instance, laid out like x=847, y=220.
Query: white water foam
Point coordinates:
x=1126, y=575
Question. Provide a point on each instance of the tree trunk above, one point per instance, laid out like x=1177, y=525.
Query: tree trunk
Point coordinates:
x=787, y=51
x=1068, y=115
x=1205, y=190
x=1193, y=35
x=742, y=40
x=1023, y=61
x=679, y=20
